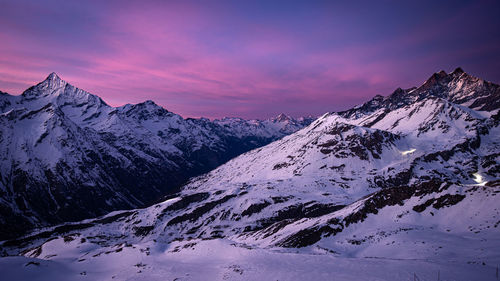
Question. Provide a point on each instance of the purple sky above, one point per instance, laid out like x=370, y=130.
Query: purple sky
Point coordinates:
x=251, y=59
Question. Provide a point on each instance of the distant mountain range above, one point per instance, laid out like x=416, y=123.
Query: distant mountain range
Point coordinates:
x=66, y=155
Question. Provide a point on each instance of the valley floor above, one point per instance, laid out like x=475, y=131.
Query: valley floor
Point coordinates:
x=224, y=260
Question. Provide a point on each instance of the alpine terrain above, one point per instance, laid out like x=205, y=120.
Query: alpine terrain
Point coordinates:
x=65, y=155
x=404, y=186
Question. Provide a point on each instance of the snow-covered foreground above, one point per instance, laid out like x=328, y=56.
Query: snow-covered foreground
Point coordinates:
x=459, y=241
x=224, y=260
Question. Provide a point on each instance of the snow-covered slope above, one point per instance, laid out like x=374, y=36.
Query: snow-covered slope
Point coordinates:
x=402, y=186
x=66, y=155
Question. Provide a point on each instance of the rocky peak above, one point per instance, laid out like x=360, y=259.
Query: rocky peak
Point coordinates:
x=47, y=87
x=282, y=118
x=441, y=78
x=460, y=74
x=435, y=79
x=53, y=76
x=144, y=110
x=399, y=92
x=458, y=71
x=457, y=87
x=53, y=81
x=148, y=104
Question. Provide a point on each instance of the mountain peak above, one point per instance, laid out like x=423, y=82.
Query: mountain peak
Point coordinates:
x=435, y=79
x=53, y=81
x=53, y=76
x=442, y=74
x=282, y=118
x=148, y=104
x=458, y=70
x=144, y=109
x=53, y=87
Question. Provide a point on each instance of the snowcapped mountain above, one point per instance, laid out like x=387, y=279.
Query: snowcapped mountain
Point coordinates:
x=66, y=155
x=280, y=125
x=401, y=185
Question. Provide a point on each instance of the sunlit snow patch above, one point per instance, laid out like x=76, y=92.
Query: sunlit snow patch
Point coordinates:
x=408, y=151
x=479, y=179
x=171, y=200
